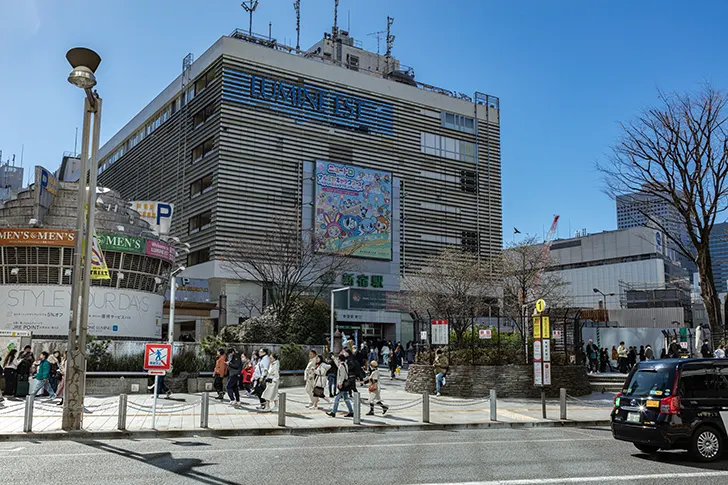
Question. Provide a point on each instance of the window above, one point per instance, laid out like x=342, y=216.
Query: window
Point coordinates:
x=468, y=181
x=470, y=241
x=203, y=115
x=446, y=147
x=200, y=222
x=698, y=381
x=458, y=122
x=352, y=62
x=200, y=186
x=197, y=257
x=204, y=81
x=202, y=149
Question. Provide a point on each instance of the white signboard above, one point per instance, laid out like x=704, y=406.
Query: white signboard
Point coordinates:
x=556, y=333
x=537, y=374
x=683, y=345
x=546, y=350
x=537, y=351
x=423, y=335
x=44, y=310
x=157, y=214
x=547, y=373
x=440, y=332
x=485, y=333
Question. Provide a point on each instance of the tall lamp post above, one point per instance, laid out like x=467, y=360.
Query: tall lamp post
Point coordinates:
x=604, y=295
x=347, y=288
x=84, y=63
x=172, y=296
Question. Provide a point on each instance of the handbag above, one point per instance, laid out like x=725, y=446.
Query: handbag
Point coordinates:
x=318, y=392
x=373, y=387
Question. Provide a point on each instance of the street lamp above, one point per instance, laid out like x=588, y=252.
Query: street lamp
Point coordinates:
x=84, y=63
x=172, y=296
x=347, y=288
x=604, y=295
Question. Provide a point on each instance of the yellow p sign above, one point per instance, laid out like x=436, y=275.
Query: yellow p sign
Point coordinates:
x=540, y=305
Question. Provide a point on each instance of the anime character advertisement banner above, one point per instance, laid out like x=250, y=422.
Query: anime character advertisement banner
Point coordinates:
x=353, y=211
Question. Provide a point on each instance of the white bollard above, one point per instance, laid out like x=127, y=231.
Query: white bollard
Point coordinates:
x=121, y=423
x=28, y=421
x=493, y=405
x=357, y=408
x=282, y=409
x=205, y=410
x=562, y=402
x=425, y=407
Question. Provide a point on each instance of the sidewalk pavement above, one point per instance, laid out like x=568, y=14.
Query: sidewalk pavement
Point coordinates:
x=181, y=413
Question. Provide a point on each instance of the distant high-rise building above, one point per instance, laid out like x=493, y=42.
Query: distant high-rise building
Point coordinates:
x=11, y=180
x=719, y=256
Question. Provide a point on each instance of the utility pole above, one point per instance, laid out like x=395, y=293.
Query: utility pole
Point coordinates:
x=297, y=7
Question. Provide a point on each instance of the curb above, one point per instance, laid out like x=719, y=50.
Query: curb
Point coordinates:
x=282, y=431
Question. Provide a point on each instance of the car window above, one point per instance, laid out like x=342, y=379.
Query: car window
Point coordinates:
x=702, y=381
x=721, y=376
x=650, y=382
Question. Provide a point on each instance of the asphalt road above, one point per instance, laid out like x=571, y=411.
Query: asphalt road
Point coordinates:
x=479, y=457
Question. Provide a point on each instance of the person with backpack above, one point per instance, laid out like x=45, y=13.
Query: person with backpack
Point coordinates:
x=375, y=396
x=345, y=383
x=331, y=375
x=43, y=377
x=440, y=365
x=234, y=367
x=219, y=373
x=54, y=359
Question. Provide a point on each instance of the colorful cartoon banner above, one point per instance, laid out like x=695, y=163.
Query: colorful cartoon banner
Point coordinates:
x=99, y=269
x=353, y=211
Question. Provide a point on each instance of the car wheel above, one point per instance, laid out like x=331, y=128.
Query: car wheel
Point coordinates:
x=650, y=450
x=707, y=444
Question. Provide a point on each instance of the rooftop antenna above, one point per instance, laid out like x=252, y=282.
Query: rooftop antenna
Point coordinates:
x=75, y=144
x=348, y=21
x=297, y=6
x=390, y=37
x=378, y=35
x=22, y=152
x=335, y=30
x=250, y=6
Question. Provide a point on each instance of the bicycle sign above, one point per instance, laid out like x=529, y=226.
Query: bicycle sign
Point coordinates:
x=158, y=357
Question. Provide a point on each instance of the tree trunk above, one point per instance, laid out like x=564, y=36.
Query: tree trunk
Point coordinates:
x=710, y=295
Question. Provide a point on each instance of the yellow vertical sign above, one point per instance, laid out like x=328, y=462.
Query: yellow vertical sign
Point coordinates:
x=546, y=327
x=536, y=327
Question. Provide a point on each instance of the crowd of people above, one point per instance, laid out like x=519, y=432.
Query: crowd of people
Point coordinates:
x=25, y=375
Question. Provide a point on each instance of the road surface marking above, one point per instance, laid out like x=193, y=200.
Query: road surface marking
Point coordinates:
x=515, y=416
x=606, y=479
x=332, y=447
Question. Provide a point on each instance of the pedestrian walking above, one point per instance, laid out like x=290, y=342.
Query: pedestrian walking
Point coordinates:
x=234, y=368
x=43, y=377
x=375, y=396
x=261, y=374
x=25, y=362
x=270, y=395
x=441, y=366
x=62, y=377
x=674, y=350
x=631, y=358
x=642, y=353
x=385, y=355
x=649, y=354
x=320, y=372
x=720, y=352
x=331, y=375
x=345, y=384
x=309, y=377
x=705, y=350
x=219, y=373
x=10, y=372
x=247, y=377
x=592, y=353
x=622, y=358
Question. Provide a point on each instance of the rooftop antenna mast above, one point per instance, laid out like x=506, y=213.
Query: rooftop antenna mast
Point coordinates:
x=250, y=6
x=297, y=6
x=378, y=35
x=335, y=30
x=390, y=37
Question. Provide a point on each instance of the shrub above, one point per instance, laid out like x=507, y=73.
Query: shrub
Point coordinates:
x=293, y=357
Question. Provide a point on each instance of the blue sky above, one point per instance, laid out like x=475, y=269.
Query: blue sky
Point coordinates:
x=566, y=73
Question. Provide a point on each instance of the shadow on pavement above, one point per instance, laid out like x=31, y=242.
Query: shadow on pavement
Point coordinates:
x=682, y=458
x=186, y=467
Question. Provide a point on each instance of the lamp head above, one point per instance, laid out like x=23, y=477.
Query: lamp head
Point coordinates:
x=84, y=63
x=596, y=290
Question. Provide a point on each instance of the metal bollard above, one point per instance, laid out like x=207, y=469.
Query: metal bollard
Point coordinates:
x=205, y=410
x=121, y=423
x=493, y=405
x=357, y=408
x=282, y=409
x=425, y=407
x=28, y=421
x=562, y=402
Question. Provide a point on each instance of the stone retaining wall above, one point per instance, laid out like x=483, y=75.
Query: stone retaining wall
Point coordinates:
x=514, y=381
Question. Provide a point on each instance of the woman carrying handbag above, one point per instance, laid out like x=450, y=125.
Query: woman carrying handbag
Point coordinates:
x=320, y=371
x=375, y=396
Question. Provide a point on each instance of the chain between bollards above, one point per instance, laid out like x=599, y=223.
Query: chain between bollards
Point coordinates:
x=205, y=410
x=282, y=409
x=562, y=402
x=121, y=423
x=28, y=421
x=493, y=405
x=425, y=407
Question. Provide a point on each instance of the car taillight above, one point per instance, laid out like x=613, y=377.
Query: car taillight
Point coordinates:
x=670, y=405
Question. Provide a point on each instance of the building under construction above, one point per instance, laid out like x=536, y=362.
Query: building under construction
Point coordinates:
x=255, y=133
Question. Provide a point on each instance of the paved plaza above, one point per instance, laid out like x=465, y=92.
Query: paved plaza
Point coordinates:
x=182, y=412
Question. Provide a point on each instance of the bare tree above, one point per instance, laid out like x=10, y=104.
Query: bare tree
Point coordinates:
x=287, y=264
x=453, y=285
x=525, y=278
x=677, y=153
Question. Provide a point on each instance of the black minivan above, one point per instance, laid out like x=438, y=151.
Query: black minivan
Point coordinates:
x=674, y=404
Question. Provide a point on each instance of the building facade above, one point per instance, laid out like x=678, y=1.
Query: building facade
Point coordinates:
x=236, y=140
